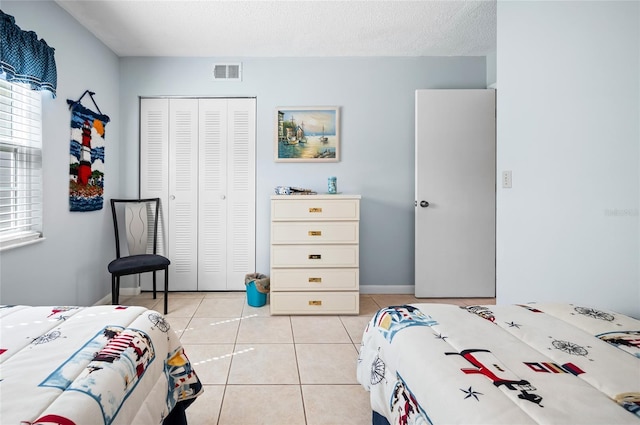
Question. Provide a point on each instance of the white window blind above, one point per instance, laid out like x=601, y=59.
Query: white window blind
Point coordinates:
x=20, y=164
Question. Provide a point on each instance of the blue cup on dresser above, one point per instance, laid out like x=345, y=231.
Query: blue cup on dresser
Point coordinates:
x=332, y=185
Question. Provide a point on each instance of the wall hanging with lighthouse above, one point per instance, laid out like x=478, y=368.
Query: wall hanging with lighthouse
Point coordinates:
x=86, y=168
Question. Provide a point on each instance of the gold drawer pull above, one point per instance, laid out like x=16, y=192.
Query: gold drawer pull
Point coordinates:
x=315, y=210
x=315, y=302
x=315, y=233
x=315, y=280
x=315, y=257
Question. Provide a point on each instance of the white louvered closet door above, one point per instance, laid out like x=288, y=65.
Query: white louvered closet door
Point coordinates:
x=183, y=194
x=241, y=208
x=226, y=247
x=212, y=243
x=154, y=175
x=198, y=156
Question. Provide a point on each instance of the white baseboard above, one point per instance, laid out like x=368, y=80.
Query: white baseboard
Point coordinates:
x=106, y=300
x=387, y=289
x=129, y=292
x=364, y=289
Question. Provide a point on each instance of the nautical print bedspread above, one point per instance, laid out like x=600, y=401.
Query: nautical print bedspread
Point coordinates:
x=506, y=364
x=90, y=365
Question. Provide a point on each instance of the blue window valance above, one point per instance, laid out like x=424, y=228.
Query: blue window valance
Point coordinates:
x=24, y=58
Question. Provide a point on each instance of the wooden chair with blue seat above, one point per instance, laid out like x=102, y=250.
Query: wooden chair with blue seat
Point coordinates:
x=140, y=219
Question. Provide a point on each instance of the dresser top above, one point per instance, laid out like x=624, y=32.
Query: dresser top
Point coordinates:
x=319, y=196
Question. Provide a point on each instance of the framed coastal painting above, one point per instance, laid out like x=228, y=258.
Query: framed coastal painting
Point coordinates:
x=307, y=134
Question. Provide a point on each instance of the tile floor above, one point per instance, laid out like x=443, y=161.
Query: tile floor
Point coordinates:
x=280, y=370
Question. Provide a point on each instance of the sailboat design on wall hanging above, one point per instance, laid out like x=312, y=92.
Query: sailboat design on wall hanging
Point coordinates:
x=86, y=168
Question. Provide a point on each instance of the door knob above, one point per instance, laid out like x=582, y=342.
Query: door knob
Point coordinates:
x=424, y=204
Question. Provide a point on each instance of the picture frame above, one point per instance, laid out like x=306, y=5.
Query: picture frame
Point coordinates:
x=307, y=134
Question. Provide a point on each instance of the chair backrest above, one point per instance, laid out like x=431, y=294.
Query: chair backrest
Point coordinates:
x=140, y=219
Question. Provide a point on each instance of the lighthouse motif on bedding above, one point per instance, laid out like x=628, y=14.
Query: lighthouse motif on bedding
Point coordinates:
x=86, y=170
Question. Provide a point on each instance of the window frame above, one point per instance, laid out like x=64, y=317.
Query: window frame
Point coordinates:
x=21, y=194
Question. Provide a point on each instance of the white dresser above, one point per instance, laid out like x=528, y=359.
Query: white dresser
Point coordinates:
x=315, y=254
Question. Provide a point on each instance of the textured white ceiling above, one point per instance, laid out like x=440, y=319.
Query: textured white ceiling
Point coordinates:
x=227, y=28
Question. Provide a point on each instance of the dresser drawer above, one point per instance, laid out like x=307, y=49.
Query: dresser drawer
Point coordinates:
x=315, y=279
x=315, y=209
x=315, y=302
x=314, y=256
x=287, y=232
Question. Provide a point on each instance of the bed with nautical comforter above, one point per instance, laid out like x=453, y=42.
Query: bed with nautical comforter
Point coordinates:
x=501, y=364
x=92, y=365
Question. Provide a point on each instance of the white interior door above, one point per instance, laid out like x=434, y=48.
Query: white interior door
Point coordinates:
x=455, y=193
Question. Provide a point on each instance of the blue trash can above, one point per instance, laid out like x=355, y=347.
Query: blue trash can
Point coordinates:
x=254, y=297
x=257, y=289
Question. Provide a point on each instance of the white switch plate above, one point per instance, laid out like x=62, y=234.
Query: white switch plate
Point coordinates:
x=506, y=179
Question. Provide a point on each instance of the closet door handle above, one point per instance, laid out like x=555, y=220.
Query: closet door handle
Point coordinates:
x=172, y=197
x=223, y=197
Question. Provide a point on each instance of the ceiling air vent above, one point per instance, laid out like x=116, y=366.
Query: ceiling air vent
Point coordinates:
x=227, y=72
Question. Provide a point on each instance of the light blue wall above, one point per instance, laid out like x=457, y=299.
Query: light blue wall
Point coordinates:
x=568, y=127
x=376, y=97
x=70, y=265
x=376, y=101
